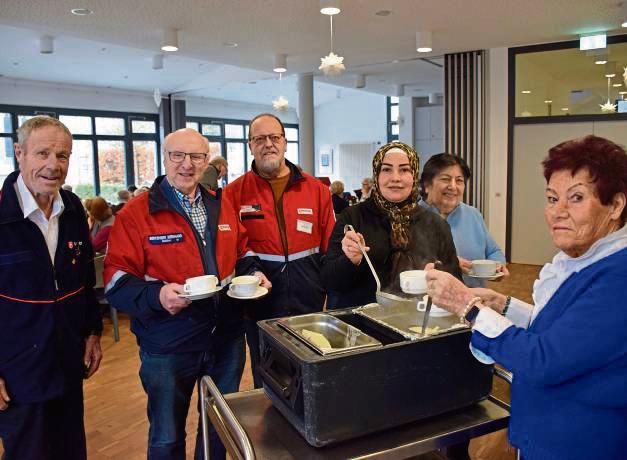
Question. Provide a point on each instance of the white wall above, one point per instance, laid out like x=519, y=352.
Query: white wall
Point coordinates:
x=357, y=118
x=205, y=107
x=34, y=93
x=496, y=145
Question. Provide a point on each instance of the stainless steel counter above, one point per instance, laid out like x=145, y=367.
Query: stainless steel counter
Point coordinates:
x=265, y=434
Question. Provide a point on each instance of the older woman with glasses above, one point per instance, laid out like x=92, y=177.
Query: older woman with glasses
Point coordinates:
x=398, y=234
x=568, y=351
x=443, y=182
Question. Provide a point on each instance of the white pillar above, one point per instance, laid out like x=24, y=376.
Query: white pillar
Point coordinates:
x=306, y=151
x=406, y=115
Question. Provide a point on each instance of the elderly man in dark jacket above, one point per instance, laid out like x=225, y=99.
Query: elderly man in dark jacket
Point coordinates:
x=50, y=322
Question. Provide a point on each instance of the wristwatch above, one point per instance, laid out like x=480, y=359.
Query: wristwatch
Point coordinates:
x=472, y=314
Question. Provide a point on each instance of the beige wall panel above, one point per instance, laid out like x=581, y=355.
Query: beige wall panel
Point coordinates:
x=616, y=131
x=531, y=242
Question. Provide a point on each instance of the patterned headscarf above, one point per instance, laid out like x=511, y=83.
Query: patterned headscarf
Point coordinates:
x=398, y=213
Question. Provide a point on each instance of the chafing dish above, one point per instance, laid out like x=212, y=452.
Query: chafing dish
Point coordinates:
x=329, y=398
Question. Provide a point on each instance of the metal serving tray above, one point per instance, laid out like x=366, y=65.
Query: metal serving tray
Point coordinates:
x=402, y=317
x=342, y=336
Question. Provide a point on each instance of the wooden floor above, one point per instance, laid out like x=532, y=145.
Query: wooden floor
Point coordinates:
x=115, y=403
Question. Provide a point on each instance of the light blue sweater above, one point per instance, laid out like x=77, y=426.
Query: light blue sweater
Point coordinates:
x=471, y=237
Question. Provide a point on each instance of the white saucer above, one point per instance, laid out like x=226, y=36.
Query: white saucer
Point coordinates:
x=423, y=292
x=486, y=277
x=199, y=296
x=260, y=292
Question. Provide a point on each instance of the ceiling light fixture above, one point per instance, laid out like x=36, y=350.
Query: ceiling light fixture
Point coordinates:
x=331, y=65
x=46, y=45
x=170, y=40
x=360, y=80
x=330, y=7
x=548, y=101
x=81, y=11
x=624, y=24
x=424, y=42
x=157, y=62
x=526, y=91
x=593, y=42
x=399, y=90
x=564, y=109
x=230, y=44
x=280, y=63
x=600, y=62
x=433, y=98
x=617, y=85
x=608, y=107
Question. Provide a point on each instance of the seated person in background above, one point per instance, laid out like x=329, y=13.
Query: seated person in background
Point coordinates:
x=366, y=189
x=103, y=219
x=217, y=169
x=123, y=197
x=399, y=234
x=140, y=190
x=337, y=196
x=567, y=352
x=443, y=182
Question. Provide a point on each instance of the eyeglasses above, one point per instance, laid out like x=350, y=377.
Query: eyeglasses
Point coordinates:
x=261, y=139
x=179, y=157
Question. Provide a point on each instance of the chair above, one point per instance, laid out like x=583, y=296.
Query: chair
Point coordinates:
x=99, y=287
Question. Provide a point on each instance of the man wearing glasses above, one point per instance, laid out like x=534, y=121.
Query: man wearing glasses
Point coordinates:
x=179, y=230
x=50, y=320
x=289, y=217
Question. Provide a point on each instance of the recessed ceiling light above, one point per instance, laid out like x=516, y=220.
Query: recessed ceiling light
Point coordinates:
x=81, y=11
x=229, y=44
x=624, y=24
x=526, y=91
x=600, y=61
x=170, y=41
x=622, y=92
x=616, y=85
x=548, y=101
x=564, y=109
x=383, y=13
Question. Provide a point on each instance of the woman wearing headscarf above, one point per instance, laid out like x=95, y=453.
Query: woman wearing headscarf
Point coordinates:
x=398, y=234
x=568, y=351
x=443, y=182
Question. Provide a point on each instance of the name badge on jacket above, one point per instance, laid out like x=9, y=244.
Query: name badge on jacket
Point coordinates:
x=304, y=226
x=165, y=239
x=224, y=227
x=308, y=211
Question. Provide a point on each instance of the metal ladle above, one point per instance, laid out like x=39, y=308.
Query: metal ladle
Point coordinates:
x=385, y=299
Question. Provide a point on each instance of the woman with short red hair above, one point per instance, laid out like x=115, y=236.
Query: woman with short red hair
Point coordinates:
x=568, y=351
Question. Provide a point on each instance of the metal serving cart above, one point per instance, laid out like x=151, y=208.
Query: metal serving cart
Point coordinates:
x=251, y=428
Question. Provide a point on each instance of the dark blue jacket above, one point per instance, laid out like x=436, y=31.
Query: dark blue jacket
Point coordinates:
x=46, y=311
x=569, y=394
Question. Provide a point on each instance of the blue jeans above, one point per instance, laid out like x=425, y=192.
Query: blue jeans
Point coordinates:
x=169, y=381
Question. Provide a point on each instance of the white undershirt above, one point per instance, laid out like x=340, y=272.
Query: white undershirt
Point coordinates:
x=49, y=227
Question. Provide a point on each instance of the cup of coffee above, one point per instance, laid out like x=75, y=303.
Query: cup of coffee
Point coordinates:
x=200, y=284
x=414, y=281
x=244, y=286
x=484, y=267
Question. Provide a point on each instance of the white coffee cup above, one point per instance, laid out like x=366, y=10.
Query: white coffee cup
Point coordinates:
x=414, y=281
x=435, y=310
x=244, y=286
x=484, y=267
x=200, y=284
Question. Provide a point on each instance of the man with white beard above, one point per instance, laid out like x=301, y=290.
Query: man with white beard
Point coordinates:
x=288, y=215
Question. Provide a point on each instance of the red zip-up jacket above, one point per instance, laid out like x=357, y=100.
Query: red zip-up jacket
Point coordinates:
x=152, y=243
x=309, y=221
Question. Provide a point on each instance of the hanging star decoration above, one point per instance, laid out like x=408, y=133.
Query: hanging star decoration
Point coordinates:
x=608, y=107
x=332, y=65
x=281, y=104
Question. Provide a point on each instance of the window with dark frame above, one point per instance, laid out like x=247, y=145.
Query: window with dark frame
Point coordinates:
x=229, y=138
x=392, y=118
x=110, y=150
